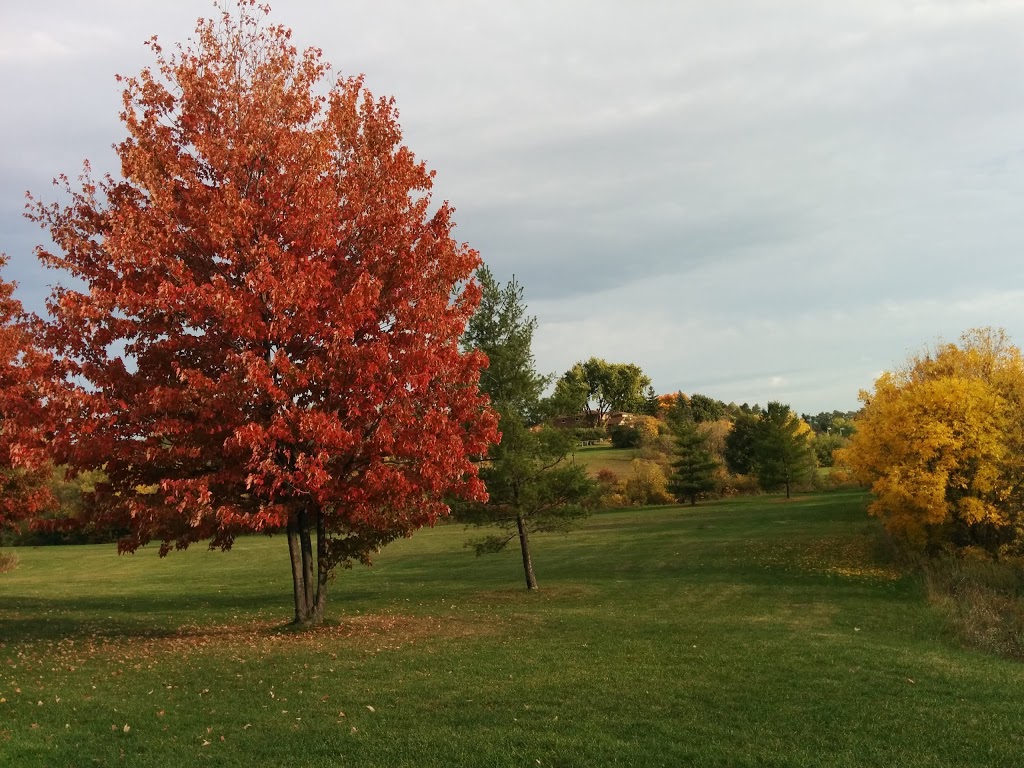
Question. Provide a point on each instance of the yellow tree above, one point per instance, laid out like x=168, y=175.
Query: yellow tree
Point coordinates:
x=940, y=443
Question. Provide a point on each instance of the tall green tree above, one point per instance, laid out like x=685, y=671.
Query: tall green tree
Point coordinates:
x=694, y=466
x=783, y=452
x=739, y=443
x=595, y=388
x=532, y=485
x=501, y=329
x=652, y=404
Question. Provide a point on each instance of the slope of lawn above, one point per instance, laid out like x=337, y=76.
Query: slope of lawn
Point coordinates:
x=753, y=632
x=598, y=457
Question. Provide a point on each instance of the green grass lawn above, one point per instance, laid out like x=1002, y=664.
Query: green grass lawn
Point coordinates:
x=598, y=457
x=753, y=632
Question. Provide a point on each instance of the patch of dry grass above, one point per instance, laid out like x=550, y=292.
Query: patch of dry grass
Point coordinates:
x=983, y=602
x=8, y=561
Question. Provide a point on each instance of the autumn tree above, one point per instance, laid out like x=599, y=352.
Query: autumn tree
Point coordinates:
x=532, y=486
x=25, y=371
x=694, y=466
x=941, y=440
x=595, y=388
x=782, y=451
x=264, y=318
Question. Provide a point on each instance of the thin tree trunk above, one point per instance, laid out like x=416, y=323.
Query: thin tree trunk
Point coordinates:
x=307, y=561
x=323, y=569
x=524, y=543
x=298, y=580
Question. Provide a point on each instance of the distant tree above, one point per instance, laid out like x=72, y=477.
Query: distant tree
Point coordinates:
x=739, y=444
x=704, y=408
x=531, y=485
x=717, y=433
x=25, y=372
x=832, y=422
x=825, y=444
x=678, y=410
x=652, y=403
x=595, y=388
x=783, y=454
x=694, y=466
x=264, y=320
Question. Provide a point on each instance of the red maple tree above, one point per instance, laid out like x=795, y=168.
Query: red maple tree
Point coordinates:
x=24, y=458
x=268, y=334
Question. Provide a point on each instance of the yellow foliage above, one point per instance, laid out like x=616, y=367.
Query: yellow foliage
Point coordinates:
x=939, y=442
x=647, y=426
x=647, y=484
x=717, y=432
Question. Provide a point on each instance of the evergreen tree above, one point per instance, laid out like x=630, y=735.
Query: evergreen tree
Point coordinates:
x=501, y=329
x=531, y=485
x=783, y=453
x=739, y=444
x=694, y=465
x=652, y=405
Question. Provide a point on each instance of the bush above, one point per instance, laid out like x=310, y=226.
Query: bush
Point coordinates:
x=8, y=561
x=729, y=484
x=625, y=437
x=981, y=599
x=611, y=492
x=647, y=485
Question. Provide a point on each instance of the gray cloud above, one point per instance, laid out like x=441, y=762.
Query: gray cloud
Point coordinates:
x=754, y=201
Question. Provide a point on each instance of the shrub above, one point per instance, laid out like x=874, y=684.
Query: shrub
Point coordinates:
x=610, y=490
x=647, y=484
x=729, y=484
x=981, y=599
x=625, y=437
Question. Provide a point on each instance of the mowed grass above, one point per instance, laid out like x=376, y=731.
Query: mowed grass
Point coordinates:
x=754, y=632
x=598, y=457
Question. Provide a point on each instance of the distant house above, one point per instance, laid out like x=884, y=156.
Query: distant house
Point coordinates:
x=586, y=420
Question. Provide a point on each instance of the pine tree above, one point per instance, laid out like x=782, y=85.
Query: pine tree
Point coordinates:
x=783, y=453
x=694, y=465
x=532, y=488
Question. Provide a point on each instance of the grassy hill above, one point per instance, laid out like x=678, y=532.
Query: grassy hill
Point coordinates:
x=598, y=457
x=750, y=632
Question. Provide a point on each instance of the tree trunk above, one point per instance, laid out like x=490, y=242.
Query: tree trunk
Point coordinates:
x=323, y=569
x=310, y=591
x=298, y=579
x=307, y=558
x=524, y=544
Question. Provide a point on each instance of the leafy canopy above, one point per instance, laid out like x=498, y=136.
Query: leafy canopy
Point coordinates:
x=941, y=442
x=264, y=318
x=595, y=388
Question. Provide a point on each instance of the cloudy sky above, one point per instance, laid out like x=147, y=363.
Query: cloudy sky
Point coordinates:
x=753, y=200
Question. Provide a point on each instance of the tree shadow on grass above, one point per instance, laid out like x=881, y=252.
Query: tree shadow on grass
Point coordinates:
x=33, y=619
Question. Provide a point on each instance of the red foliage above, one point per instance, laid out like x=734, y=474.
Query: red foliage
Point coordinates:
x=271, y=320
x=24, y=461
